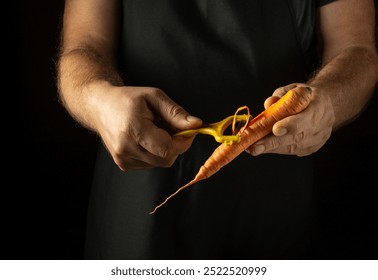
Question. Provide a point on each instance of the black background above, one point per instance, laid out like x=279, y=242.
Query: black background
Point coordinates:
x=49, y=158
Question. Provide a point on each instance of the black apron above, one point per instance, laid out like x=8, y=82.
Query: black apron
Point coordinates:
x=210, y=57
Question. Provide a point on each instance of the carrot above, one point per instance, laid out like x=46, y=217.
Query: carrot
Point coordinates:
x=293, y=102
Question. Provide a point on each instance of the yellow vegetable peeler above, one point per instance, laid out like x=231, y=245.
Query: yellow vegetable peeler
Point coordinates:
x=217, y=129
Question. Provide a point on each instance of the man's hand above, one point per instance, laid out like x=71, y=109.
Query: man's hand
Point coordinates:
x=135, y=124
x=301, y=134
x=341, y=87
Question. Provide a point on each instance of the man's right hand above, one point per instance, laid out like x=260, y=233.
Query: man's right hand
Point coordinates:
x=130, y=122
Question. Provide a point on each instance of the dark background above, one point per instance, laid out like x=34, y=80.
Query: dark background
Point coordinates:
x=49, y=158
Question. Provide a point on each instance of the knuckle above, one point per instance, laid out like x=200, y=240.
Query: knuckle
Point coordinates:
x=136, y=134
x=123, y=167
x=274, y=142
x=279, y=91
x=157, y=92
x=133, y=99
x=303, y=154
x=166, y=162
x=291, y=149
x=175, y=111
x=120, y=162
x=299, y=137
x=331, y=121
x=163, y=152
x=306, y=152
x=117, y=148
x=317, y=116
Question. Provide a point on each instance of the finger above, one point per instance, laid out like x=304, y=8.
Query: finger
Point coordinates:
x=135, y=158
x=299, y=149
x=282, y=90
x=291, y=123
x=172, y=113
x=158, y=141
x=270, y=101
x=283, y=135
x=133, y=164
x=143, y=160
x=273, y=144
x=138, y=157
x=155, y=140
x=278, y=93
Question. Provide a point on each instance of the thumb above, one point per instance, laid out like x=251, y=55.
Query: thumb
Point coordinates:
x=172, y=113
x=179, y=118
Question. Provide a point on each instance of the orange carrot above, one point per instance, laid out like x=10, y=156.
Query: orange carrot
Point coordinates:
x=293, y=102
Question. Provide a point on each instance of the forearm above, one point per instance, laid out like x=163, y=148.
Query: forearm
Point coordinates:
x=349, y=79
x=82, y=78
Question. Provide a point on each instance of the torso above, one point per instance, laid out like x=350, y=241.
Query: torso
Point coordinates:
x=210, y=57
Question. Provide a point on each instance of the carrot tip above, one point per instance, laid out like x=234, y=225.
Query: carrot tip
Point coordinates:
x=195, y=180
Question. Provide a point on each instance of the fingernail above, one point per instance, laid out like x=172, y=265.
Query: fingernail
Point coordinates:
x=280, y=131
x=309, y=89
x=247, y=151
x=192, y=119
x=258, y=149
